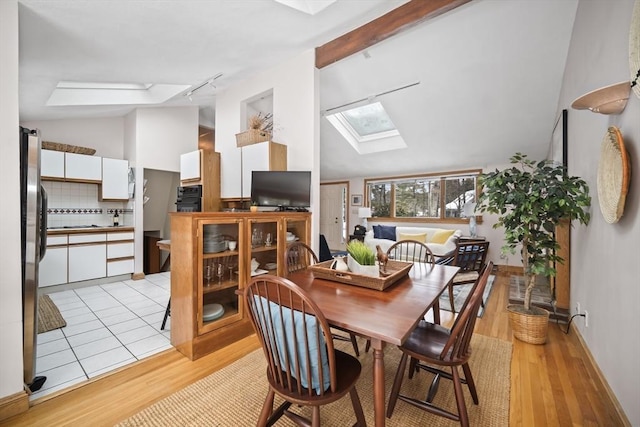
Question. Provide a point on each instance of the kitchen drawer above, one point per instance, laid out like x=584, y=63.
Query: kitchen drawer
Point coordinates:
x=87, y=238
x=123, y=266
x=57, y=240
x=119, y=250
x=123, y=235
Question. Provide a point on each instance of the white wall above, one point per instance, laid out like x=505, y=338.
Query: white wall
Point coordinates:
x=10, y=275
x=296, y=115
x=605, y=267
x=105, y=135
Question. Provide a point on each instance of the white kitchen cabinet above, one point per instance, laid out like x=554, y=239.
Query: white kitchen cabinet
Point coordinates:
x=52, y=164
x=121, y=266
x=263, y=156
x=190, y=166
x=119, y=250
x=82, y=167
x=115, y=179
x=53, y=267
x=87, y=256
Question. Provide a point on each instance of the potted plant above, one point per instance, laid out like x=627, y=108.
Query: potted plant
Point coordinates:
x=530, y=199
x=254, y=206
x=361, y=259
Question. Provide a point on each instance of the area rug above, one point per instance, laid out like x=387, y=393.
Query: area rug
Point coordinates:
x=49, y=317
x=460, y=294
x=234, y=395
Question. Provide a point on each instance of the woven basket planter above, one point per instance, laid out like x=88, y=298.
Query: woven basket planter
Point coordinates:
x=67, y=148
x=530, y=328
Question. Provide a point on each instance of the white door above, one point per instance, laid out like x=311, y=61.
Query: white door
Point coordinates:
x=333, y=214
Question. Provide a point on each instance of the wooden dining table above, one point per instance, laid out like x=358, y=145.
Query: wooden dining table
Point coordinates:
x=386, y=316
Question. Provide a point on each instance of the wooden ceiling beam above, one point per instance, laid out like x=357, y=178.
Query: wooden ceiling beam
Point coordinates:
x=399, y=19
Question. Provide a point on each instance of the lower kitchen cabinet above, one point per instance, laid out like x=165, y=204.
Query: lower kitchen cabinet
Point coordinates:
x=87, y=261
x=53, y=267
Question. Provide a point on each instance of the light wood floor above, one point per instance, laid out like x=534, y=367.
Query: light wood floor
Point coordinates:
x=551, y=384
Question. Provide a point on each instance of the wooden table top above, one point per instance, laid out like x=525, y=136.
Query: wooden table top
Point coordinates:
x=389, y=315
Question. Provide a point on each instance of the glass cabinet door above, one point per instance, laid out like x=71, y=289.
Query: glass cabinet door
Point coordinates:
x=262, y=238
x=295, y=229
x=219, y=273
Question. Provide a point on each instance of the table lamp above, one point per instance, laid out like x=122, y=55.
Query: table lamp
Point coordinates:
x=469, y=210
x=364, y=213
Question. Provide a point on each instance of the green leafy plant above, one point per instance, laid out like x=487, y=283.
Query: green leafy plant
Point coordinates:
x=361, y=253
x=530, y=200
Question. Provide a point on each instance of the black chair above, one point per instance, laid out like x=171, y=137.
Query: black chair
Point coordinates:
x=441, y=351
x=299, y=256
x=303, y=368
x=470, y=257
x=325, y=252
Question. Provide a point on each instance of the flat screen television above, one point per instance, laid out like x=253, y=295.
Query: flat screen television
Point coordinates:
x=282, y=189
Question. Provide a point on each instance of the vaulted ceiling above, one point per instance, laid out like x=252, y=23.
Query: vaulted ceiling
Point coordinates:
x=489, y=71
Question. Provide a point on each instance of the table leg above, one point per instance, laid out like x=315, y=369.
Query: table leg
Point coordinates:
x=436, y=311
x=378, y=382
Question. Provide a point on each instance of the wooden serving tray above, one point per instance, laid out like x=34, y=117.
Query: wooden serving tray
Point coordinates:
x=396, y=270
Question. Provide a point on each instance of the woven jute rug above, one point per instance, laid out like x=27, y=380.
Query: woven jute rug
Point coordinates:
x=234, y=395
x=49, y=317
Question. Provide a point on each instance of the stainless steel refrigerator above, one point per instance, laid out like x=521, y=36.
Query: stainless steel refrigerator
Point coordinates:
x=33, y=209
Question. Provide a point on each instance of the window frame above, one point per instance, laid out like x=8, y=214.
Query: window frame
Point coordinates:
x=443, y=176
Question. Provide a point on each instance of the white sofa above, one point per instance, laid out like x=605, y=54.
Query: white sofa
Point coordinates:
x=438, y=249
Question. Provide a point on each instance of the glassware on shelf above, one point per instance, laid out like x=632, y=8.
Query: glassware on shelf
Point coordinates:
x=208, y=274
x=256, y=238
x=269, y=240
x=220, y=273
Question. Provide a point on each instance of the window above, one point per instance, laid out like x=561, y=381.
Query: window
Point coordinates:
x=368, y=128
x=433, y=197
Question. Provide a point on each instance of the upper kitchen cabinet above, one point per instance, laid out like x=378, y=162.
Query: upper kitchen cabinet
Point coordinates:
x=52, y=164
x=202, y=167
x=115, y=179
x=80, y=167
x=190, y=166
x=263, y=156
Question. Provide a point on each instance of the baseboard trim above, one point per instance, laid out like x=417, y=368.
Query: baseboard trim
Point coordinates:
x=597, y=373
x=137, y=276
x=13, y=405
x=508, y=270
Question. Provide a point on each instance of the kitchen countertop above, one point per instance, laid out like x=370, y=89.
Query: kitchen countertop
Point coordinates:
x=88, y=229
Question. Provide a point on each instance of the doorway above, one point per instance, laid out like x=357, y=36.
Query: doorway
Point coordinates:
x=333, y=214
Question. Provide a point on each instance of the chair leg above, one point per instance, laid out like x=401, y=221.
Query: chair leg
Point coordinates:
x=413, y=367
x=397, y=383
x=167, y=313
x=367, y=346
x=453, y=307
x=315, y=416
x=267, y=408
x=457, y=388
x=357, y=407
x=354, y=343
x=470, y=383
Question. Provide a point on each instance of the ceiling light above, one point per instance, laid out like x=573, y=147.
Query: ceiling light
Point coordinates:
x=307, y=6
x=209, y=82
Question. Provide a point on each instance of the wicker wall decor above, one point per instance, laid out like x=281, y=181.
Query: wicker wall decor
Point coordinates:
x=614, y=172
x=67, y=148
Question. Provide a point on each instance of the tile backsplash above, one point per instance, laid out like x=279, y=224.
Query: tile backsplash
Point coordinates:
x=72, y=203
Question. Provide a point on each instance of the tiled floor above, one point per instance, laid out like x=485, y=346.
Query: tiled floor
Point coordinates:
x=108, y=326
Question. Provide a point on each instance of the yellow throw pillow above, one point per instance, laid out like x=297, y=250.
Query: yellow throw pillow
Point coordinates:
x=441, y=236
x=422, y=237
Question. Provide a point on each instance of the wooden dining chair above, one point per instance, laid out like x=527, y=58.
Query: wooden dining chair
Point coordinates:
x=412, y=251
x=299, y=256
x=303, y=367
x=441, y=351
x=470, y=257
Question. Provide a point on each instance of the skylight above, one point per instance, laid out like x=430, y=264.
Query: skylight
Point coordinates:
x=69, y=93
x=368, y=128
